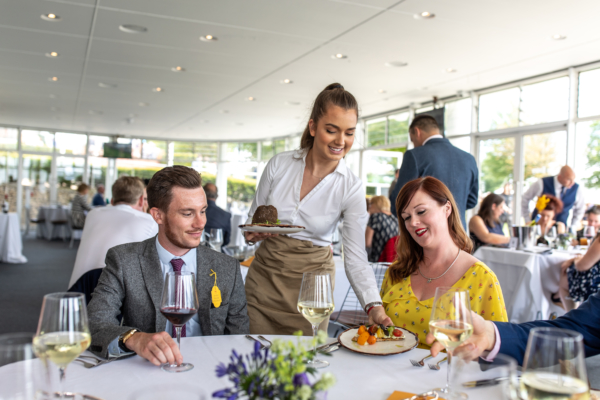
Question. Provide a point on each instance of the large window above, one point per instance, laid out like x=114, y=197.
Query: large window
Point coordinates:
x=546, y=101
x=589, y=93
x=198, y=155
x=457, y=117
x=545, y=154
x=8, y=138
x=587, y=159
x=37, y=141
x=496, y=164
x=70, y=143
x=499, y=110
x=398, y=128
x=380, y=167
x=376, y=132
x=242, y=170
x=69, y=174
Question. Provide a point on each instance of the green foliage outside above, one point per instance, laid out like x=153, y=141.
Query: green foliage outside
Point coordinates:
x=593, y=156
x=376, y=133
x=397, y=131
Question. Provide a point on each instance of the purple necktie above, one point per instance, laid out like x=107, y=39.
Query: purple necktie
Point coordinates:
x=177, y=264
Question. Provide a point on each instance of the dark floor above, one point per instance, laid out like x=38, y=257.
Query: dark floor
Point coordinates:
x=23, y=286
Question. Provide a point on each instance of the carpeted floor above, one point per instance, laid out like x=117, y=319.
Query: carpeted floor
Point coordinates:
x=23, y=286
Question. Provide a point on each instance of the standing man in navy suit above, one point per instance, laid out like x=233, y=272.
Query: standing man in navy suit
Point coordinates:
x=216, y=218
x=435, y=156
x=562, y=186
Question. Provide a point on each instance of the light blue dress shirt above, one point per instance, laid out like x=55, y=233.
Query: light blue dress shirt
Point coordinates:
x=189, y=265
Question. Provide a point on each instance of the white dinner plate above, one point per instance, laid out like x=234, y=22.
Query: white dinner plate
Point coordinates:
x=380, y=348
x=272, y=229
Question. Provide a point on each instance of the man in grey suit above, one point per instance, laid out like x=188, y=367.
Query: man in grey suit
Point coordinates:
x=435, y=156
x=132, y=281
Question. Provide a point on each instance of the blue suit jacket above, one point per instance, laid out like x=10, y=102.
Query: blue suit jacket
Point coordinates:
x=439, y=159
x=217, y=218
x=585, y=320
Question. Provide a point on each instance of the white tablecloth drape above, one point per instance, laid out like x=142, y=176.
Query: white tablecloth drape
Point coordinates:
x=53, y=213
x=11, y=242
x=358, y=376
x=527, y=280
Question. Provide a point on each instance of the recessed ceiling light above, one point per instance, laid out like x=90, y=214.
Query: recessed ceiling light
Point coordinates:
x=50, y=17
x=208, y=38
x=292, y=103
x=338, y=56
x=224, y=111
x=251, y=98
x=52, y=54
x=450, y=70
x=381, y=91
x=396, y=64
x=178, y=69
x=107, y=85
x=95, y=112
x=558, y=37
x=142, y=104
x=286, y=81
x=53, y=79
x=424, y=15
x=158, y=90
x=128, y=28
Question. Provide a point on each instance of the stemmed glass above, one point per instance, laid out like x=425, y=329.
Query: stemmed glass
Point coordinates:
x=451, y=324
x=551, y=236
x=179, y=304
x=589, y=232
x=315, y=303
x=554, y=365
x=216, y=239
x=62, y=333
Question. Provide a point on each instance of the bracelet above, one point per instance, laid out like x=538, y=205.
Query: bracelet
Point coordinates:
x=370, y=306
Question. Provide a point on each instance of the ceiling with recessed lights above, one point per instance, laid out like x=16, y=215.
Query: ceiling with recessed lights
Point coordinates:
x=239, y=69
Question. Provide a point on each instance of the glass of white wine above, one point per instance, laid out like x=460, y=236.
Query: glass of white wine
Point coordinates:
x=554, y=366
x=315, y=303
x=62, y=333
x=451, y=324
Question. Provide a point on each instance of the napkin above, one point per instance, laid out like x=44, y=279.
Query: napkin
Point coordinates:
x=246, y=263
x=402, y=395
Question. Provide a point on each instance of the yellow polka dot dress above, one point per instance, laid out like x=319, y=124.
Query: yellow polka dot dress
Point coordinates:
x=406, y=311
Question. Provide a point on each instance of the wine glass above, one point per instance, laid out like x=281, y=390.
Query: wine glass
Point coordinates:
x=315, y=303
x=216, y=239
x=450, y=323
x=179, y=304
x=62, y=333
x=589, y=232
x=554, y=365
x=551, y=236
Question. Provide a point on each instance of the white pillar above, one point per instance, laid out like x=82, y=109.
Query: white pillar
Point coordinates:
x=19, y=176
x=221, y=180
x=170, y=153
x=571, y=126
x=111, y=172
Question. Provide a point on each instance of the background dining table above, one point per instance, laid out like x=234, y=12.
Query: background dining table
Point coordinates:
x=358, y=375
x=11, y=242
x=49, y=214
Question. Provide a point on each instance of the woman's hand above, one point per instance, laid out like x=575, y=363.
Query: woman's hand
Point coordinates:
x=378, y=316
x=257, y=236
x=565, y=265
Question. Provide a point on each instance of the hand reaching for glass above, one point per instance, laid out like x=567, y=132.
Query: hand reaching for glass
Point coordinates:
x=158, y=348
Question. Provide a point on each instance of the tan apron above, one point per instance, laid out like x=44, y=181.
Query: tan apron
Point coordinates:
x=274, y=280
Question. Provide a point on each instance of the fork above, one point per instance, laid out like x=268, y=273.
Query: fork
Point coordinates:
x=436, y=367
x=421, y=363
x=266, y=340
x=262, y=346
x=92, y=365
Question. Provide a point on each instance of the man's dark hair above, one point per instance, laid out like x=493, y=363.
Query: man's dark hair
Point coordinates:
x=210, y=193
x=425, y=123
x=160, y=187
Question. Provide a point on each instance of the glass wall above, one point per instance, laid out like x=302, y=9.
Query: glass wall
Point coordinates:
x=589, y=93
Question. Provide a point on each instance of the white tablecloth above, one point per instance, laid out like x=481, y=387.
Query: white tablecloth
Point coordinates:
x=53, y=213
x=358, y=376
x=11, y=242
x=237, y=239
x=527, y=280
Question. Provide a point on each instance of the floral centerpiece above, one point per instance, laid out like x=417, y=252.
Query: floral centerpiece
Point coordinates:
x=275, y=373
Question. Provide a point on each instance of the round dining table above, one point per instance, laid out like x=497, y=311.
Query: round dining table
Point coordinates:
x=357, y=375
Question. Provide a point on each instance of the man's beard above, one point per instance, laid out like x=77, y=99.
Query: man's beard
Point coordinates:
x=170, y=234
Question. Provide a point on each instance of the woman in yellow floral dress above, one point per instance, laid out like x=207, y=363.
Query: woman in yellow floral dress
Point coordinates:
x=433, y=251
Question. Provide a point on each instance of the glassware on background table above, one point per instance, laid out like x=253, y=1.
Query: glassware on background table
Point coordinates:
x=551, y=236
x=554, y=366
x=215, y=239
x=589, y=232
x=18, y=348
x=62, y=333
x=315, y=303
x=451, y=325
x=179, y=304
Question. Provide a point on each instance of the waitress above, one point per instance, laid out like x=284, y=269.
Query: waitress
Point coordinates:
x=311, y=187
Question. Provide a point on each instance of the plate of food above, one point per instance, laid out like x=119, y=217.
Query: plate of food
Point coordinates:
x=265, y=220
x=378, y=340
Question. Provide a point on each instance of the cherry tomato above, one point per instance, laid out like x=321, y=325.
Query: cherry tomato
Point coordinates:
x=362, y=339
x=373, y=329
x=397, y=332
x=362, y=329
x=372, y=340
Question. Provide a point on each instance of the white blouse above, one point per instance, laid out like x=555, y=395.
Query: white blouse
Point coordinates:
x=340, y=195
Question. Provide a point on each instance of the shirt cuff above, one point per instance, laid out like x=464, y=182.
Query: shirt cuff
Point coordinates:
x=114, y=350
x=494, y=352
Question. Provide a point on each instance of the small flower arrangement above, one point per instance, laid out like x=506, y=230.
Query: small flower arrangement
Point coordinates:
x=275, y=373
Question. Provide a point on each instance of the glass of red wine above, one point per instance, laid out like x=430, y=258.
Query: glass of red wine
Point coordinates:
x=179, y=304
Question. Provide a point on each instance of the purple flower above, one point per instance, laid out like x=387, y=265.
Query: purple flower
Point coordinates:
x=300, y=379
x=222, y=393
x=222, y=370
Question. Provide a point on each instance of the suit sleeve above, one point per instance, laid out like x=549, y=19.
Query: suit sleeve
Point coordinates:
x=105, y=306
x=585, y=320
x=237, y=314
x=474, y=191
x=408, y=172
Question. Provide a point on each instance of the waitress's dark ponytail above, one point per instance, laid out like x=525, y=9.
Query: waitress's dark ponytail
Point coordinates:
x=333, y=94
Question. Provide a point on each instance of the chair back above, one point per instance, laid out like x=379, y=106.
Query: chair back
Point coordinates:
x=87, y=283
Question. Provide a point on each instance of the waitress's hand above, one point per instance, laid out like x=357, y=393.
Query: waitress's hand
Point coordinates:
x=378, y=316
x=257, y=237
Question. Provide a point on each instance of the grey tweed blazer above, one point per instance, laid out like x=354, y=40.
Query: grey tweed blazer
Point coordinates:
x=131, y=284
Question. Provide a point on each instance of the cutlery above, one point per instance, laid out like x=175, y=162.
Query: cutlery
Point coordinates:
x=92, y=365
x=436, y=367
x=331, y=349
x=266, y=340
x=262, y=346
x=420, y=363
x=326, y=346
x=486, y=382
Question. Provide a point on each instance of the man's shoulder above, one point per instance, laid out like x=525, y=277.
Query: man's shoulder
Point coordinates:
x=133, y=247
x=215, y=257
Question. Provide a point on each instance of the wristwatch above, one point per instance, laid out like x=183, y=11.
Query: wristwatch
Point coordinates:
x=125, y=337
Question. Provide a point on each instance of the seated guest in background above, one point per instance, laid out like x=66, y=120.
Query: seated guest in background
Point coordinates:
x=107, y=227
x=382, y=226
x=485, y=227
x=145, y=206
x=433, y=251
x=490, y=338
x=80, y=206
x=593, y=220
x=98, y=199
x=132, y=282
x=389, y=251
x=552, y=208
x=216, y=217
